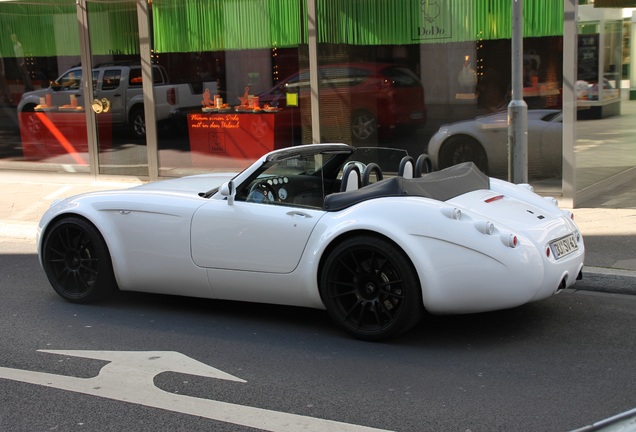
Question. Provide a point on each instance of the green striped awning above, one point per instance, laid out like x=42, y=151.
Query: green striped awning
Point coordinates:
x=50, y=28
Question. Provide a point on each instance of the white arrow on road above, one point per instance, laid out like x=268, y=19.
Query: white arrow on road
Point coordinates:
x=129, y=377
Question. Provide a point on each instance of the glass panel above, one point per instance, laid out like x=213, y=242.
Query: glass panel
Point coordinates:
x=436, y=77
x=39, y=52
x=118, y=103
x=604, y=147
x=231, y=66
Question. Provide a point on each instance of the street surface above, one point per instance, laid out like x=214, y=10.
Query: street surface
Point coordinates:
x=144, y=362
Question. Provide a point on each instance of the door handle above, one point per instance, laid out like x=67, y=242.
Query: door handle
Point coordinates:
x=296, y=213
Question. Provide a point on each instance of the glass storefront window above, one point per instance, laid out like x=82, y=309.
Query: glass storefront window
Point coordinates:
x=436, y=77
x=228, y=61
x=118, y=100
x=42, y=124
x=46, y=102
x=602, y=148
x=231, y=80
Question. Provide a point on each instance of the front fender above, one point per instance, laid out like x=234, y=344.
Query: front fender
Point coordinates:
x=147, y=235
x=29, y=100
x=72, y=206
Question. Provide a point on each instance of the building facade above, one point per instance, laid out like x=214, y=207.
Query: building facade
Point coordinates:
x=166, y=88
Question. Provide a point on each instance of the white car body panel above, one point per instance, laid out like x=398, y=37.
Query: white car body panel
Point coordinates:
x=237, y=237
x=166, y=238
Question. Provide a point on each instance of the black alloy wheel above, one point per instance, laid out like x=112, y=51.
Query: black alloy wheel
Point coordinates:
x=371, y=289
x=77, y=262
x=461, y=148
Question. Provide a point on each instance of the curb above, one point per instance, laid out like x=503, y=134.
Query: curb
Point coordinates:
x=17, y=230
x=607, y=280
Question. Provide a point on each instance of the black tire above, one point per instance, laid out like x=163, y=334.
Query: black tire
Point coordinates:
x=370, y=288
x=364, y=126
x=29, y=107
x=138, y=122
x=462, y=148
x=77, y=262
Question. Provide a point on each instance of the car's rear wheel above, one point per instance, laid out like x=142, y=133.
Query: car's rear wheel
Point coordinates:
x=370, y=288
x=76, y=261
x=462, y=148
x=364, y=126
x=138, y=122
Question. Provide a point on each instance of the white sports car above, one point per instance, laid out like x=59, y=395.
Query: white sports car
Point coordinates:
x=308, y=226
x=484, y=141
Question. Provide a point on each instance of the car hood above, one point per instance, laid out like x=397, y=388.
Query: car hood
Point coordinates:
x=189, y=184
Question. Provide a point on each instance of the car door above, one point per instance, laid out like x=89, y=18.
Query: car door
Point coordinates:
x=251, y=236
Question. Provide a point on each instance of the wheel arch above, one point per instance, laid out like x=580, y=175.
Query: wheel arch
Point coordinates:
x=360, y=232
x=51, y=225
x=28, y=106
x=45, y=230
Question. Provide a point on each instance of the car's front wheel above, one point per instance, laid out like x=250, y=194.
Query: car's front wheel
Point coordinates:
x=76, y=261
x=370, y=288
x=461, y=148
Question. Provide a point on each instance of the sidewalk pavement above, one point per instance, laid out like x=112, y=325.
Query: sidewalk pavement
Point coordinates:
x=608, y=223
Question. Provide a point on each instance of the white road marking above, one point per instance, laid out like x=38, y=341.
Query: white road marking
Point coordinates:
x=129, y=378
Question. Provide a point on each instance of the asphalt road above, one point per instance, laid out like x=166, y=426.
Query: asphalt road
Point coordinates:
x=554, y=365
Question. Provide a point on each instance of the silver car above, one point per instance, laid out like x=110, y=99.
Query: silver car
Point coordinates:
x=484, y=141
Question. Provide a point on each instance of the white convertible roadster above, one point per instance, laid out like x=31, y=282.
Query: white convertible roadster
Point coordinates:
x=361, y=233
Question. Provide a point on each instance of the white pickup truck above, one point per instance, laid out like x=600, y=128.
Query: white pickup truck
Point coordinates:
x=120, y=85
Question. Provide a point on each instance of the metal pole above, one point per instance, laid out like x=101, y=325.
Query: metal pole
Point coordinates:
x=147, y=83
x=87, y=66
x=517, y=109
x=313, y=71
x=570, y=61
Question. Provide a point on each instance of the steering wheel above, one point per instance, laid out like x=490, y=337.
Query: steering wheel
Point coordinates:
x=263, y=193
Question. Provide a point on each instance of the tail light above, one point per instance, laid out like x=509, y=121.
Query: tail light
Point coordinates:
x=509, y=239
x=171, y=96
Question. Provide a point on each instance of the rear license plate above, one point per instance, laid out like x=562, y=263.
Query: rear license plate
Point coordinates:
x=564, y=246
x=417, y=116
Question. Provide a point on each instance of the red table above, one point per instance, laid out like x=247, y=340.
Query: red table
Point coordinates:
x=54, y=133
x=237, y=135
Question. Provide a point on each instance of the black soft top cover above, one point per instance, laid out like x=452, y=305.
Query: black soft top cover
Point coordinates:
x=440, y=185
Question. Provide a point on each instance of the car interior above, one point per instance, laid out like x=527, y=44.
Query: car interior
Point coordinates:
x=306, y=182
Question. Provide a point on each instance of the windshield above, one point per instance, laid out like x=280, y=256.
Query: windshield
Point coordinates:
x=305, y=178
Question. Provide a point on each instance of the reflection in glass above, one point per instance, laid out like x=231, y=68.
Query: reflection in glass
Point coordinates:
x=604, y=146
